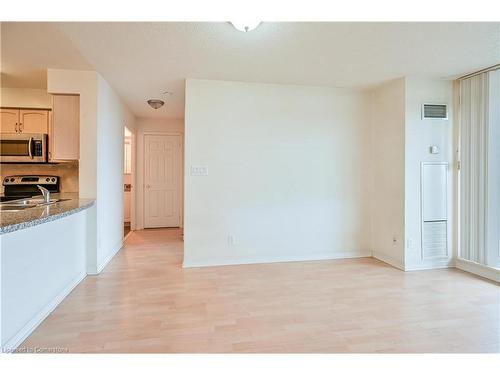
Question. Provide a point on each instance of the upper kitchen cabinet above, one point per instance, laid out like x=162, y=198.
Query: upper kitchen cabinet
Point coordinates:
x=64, y=132
x=9, y=120
x=20, y=120
x=34, y=121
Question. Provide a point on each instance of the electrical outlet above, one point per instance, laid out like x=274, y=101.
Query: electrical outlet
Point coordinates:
x=230, y=240
x=394, y=241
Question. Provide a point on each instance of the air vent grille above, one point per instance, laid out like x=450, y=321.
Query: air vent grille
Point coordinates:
x=435, y=111
x=434, y=239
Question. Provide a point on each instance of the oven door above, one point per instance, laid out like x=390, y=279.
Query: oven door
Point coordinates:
x=23, y=148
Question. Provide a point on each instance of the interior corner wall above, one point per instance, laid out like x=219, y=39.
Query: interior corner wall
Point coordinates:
x=420, y=135
x=102, y=120
x=388, y=172
x=288, y=173
x=151, y=125
x=112, y=117
x=83, y=83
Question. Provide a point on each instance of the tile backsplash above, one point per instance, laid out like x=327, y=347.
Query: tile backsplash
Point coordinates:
x=68, y=172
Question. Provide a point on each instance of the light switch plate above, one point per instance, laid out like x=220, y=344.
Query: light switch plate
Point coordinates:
x=199, y=170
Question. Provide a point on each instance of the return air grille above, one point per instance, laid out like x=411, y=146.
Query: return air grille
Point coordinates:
x=434, y=241
x=435, y=111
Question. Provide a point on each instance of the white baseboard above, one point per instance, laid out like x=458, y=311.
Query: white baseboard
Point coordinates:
x=111, y=255
x=478, y=269
x=389, y=260
x=128, y=234
x=260, y=260
x=29, y=327
x=431, y=265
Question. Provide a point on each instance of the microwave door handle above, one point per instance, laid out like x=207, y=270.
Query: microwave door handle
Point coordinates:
x=30, y=147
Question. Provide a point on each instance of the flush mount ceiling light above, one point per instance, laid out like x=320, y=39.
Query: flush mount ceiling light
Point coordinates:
x=245, y=26
x=155, y=103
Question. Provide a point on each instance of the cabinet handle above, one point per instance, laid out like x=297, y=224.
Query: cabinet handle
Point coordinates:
x=16, y=127
x=21, y=127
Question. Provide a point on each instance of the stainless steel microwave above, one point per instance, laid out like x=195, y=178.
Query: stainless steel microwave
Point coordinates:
x=23, y=148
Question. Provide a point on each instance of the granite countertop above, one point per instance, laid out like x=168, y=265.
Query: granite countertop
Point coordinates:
x=11, y=221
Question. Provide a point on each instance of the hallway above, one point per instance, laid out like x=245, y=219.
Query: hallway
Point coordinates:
x=144, y=301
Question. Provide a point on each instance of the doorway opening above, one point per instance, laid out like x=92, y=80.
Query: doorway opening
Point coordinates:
x=128, y=178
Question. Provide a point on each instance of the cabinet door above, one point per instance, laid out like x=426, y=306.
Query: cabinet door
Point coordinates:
x=34, y=120
x=64, y=134
x=9, y=120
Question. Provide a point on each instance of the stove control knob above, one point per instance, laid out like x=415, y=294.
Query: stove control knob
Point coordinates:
x=53, y=179
x=6, y=180
x=12, y=180
x=47, y=179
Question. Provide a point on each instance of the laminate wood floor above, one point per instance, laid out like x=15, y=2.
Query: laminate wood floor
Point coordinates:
x=144, y=301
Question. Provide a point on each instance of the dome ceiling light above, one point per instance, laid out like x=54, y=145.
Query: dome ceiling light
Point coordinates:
x=245, y=26
x=155, y=103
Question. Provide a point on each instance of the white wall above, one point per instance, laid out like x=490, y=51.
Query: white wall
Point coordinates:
x=112, y=117
x=29, y=98
x=160, y=125
x=388, y=173
x=401, y=142
x=150, y=125
x=289, y=173
x=40, y=265
x=102, y=120
x=420, y=134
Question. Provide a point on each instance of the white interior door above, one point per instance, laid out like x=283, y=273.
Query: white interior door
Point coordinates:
x=162, y=180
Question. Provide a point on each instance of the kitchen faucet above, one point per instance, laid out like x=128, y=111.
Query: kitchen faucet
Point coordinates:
x=45, y=193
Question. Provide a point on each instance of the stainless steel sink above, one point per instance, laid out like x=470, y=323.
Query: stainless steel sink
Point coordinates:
x=15, y=207
x=23, y=204
x=36, y=201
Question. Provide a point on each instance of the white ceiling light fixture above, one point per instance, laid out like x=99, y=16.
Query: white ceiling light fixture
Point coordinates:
x=155, y=103
x=245, y=26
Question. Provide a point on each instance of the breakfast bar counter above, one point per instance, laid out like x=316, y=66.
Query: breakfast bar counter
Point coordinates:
x=44, y=250
x=11, y=221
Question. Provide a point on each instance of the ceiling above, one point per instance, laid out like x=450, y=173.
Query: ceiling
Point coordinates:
x=143, y=60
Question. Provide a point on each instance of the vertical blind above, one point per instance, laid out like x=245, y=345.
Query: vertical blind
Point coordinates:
x=480, y=168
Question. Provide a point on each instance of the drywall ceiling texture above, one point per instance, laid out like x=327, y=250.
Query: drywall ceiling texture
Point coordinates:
x=142, y=60
x=28, y=49
x=288, y=173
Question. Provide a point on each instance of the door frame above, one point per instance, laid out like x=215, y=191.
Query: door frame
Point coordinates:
x=133, y=190
x=141, y=191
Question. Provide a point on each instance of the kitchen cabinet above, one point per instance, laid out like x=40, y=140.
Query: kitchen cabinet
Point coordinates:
x=64, y=132
x=9, y=120
x=34, y=121
x=21, y=120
